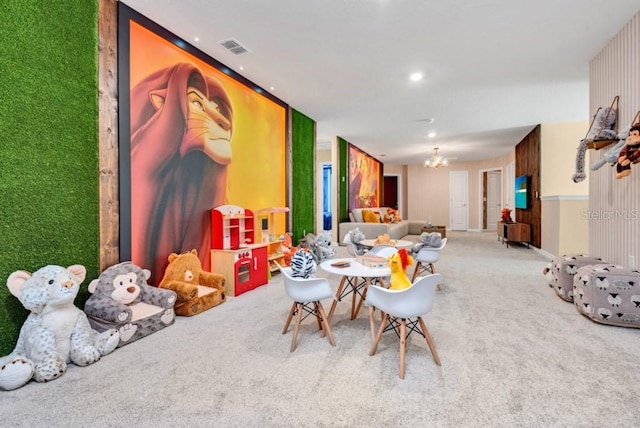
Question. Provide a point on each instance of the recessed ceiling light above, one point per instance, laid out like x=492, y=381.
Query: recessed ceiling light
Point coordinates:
x=272, y=88
x=241, y=68
x=416, y=77
x=197, y=39
x=431, y=134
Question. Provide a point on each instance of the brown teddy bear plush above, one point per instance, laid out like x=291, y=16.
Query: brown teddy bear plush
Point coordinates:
x=630, y=153
x=197, y=290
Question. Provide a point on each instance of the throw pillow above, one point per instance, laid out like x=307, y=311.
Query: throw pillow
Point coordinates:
x=370, y=216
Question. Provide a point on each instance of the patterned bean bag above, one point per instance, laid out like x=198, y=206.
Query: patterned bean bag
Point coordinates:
x=608, y=294
x=564, y=268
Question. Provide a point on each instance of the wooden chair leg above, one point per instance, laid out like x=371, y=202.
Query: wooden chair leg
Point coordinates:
x=325, y=321
x=372, y=324
x=318, y=317
x=430, y=343
x=364, y=296
x=403, y=345
x=433, y=270
x=338, y=293
x=374, y=345
x=286, y=325
x=294, y=340
x=416, y=271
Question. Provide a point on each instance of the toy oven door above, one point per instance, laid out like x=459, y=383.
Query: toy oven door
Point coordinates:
x=243, y=275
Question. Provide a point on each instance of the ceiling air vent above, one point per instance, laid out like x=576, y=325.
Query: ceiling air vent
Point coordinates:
x=234, y=46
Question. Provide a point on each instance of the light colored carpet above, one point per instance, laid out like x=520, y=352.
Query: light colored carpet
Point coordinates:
x=513, y=354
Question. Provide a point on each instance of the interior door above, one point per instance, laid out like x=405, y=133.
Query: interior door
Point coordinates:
x=494, y=198
x=459, y=205
x=390, y=191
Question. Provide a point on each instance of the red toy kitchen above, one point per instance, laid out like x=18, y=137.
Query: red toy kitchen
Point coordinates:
x=234, y=252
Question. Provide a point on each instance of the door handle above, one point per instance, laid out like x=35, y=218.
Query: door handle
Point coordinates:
x=255, y=263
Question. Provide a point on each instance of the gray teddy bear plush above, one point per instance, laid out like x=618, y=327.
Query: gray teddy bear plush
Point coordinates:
x=427, y=240
x=56, y=332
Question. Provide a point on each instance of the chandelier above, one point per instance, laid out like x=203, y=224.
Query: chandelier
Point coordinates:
x=436, y=161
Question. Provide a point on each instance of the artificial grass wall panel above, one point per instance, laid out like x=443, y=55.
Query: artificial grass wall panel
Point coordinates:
x=49, y=202
x=303, y=150
x=343, y=209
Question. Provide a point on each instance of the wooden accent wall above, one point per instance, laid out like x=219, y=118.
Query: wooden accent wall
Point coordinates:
x=528, y=162
x=108, y=132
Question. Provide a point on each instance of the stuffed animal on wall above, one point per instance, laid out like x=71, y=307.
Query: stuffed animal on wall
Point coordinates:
x=196, y=289
x=56, y=332
x=604, y=123
x=611, y=155
x=398, y=264
x=355, y=236
x=123, y=300
x=303, y=265
x=630, y=153
x=323, y=242
x=602, y=128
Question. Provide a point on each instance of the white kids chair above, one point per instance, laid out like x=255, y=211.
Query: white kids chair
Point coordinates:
x=404, y=308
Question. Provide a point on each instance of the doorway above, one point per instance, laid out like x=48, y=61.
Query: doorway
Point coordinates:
x=459, y=182
x=326, y=196
x=491, y=197
x=390, y=191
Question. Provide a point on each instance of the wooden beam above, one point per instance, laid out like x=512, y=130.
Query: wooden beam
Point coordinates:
x=108, y=132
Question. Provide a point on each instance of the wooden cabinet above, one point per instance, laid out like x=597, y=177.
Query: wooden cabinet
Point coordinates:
x=517, y=232
x=244, y=268
x=231, y=227
x=270, y=229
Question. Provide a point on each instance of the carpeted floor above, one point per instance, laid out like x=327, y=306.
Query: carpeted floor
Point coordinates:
x=513, y=355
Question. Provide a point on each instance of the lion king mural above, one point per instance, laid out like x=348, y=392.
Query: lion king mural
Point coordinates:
x=181, y=127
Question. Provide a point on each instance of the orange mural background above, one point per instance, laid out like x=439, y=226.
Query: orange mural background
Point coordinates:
x=257, y=173
x=364, y=179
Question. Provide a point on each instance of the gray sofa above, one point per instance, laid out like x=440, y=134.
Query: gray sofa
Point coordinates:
x=373, y=230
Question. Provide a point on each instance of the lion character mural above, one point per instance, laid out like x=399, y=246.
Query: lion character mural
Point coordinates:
x=181, y=126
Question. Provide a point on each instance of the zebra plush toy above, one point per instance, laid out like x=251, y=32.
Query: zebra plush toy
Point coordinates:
x=303, y=265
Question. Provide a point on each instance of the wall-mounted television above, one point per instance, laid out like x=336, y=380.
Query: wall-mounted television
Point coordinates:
x=522, y=192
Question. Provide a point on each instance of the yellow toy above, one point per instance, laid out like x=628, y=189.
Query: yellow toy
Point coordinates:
x=398, y=264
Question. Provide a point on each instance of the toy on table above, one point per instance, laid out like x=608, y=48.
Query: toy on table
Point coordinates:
x=398, y=264
x=196, y=289
x=56, y=332
x=123, y=300
x=384, y=239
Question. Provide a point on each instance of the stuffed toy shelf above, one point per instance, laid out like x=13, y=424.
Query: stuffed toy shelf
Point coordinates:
x=597, y=145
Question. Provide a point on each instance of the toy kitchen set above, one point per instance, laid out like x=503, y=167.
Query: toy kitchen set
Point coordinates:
x=245, y=263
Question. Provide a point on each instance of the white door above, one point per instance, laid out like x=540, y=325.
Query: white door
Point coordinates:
x=459, y=208
x=494, y=198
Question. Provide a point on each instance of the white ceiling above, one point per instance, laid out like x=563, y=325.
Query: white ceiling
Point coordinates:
x=494, y=68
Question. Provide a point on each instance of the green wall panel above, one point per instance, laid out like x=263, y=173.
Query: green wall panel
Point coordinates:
x=303, y=155
x=49, y=126
x=343, y=213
